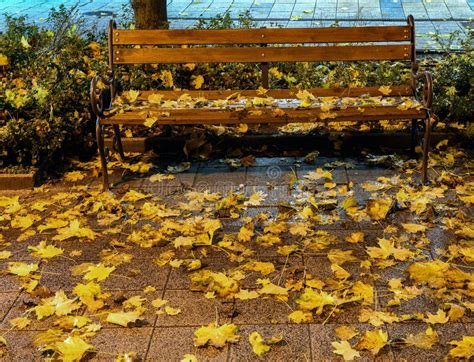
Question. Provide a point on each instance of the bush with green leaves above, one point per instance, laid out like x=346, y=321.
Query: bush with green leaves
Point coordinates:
x=43, y=97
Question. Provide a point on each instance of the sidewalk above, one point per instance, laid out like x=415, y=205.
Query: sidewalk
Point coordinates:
x=432, y=16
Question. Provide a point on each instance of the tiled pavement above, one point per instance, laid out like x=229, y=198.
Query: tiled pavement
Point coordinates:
x=433, y=16
x=166, y=338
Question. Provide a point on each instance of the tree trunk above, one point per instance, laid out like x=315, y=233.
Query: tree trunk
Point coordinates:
x=150, y=14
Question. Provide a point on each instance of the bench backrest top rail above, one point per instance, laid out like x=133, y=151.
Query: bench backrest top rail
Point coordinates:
x=263, y=35
x=260, y=54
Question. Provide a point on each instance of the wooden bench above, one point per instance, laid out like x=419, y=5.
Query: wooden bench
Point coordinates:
x=393, y=43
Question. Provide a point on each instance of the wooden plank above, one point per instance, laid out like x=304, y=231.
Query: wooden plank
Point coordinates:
x=259, y=54
x=265, y=115
x=258, y=36
x=280, y=93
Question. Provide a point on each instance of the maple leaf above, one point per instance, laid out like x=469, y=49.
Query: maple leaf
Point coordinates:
x=439, y=317
x=345, y=350
x=21, y=269
x=272, y=289
x=464, y=348
x=373, y=341
x=385, y=90
x=346, y=332
x=43, y=311
x=44, y=251
x=134, y=302
x=74, y=176
x=131, y=95
x=52, y=224
x=363, y=291
x=158, y=177
x=98, y=272
x=215, y=335
x=300, y=316
x=123, y=318
x=388, y=249
x=424, y=340
x=245, y=294
x=155, y=98
x=355, y=237
x=150, y=121
x=71, y=322
x=377, y=318
x=189, y=358
x=73, y=348
x=258, y=344
x=287, y=249
x=318, y=174
x=264, y=268
x=20, y=322
x=158, y=302
x=340, y=272
x=339, y=257
x=127, y=357
x=378, y=209
x=312, y=299
x=431, y=272
x=62, y=304
x=414, y=228
x=246, y=233
x=24, y=222
x=5, y=254
x=172, y=311
x=74, y=230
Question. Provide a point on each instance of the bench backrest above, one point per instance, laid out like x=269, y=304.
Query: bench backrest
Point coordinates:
x=266, y=45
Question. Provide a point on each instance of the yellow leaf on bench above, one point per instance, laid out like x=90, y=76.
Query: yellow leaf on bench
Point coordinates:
x=132, y=95
x=385, y=90
x=155, y=98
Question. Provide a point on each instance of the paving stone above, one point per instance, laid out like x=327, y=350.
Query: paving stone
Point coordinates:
x=258, y=311
x=323, y=335
x=172, y=343
x=286, y=268
x=196, y=310
x=9, y=283
x=136, y=276
x=6, y=302
x=179, y=278
x=294, y=347
x=21, y=309
x=271, y=175
x=446, y=333
x=110, y=343
x=20, y=346
x=114, y=303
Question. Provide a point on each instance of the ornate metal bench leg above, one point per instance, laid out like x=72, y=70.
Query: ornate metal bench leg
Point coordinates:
x=99, y=130
x=118, y=141
x=414, y=136
x=426, y=148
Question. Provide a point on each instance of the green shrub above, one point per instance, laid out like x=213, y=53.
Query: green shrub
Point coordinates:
x=44, y=88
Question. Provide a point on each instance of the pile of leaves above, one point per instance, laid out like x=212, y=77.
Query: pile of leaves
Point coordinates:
x=181, y=231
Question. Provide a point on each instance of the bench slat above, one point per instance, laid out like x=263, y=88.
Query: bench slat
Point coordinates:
x=264, y=115
x=257, y=36
x=402, y=90
x=255, y=55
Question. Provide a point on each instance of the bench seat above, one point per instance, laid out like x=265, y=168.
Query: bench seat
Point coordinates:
x=273, y=106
